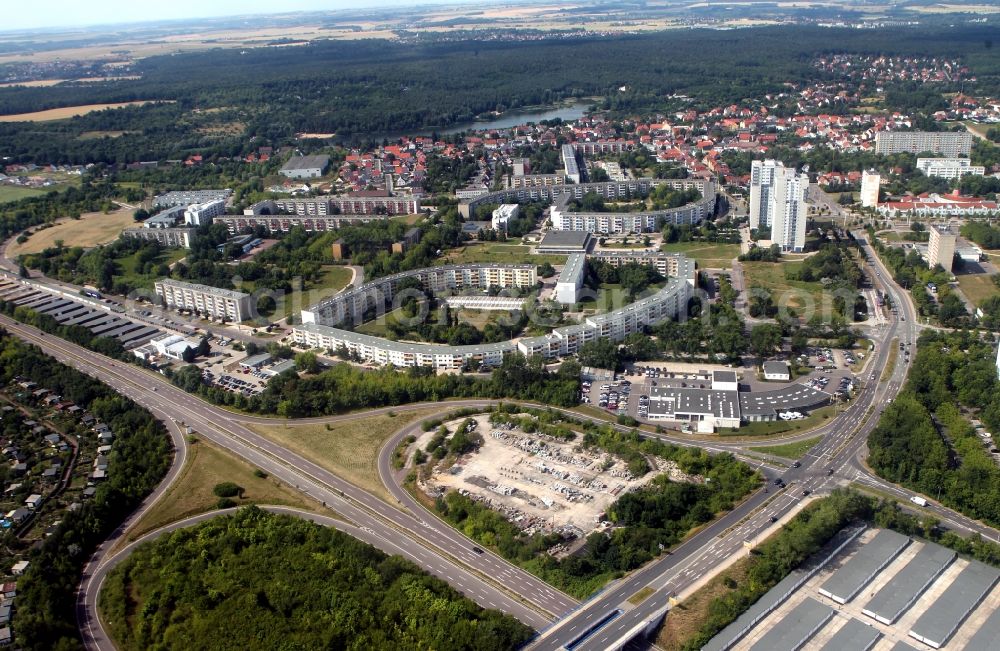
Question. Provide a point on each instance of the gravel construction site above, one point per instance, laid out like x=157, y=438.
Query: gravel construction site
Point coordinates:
x=541, y=483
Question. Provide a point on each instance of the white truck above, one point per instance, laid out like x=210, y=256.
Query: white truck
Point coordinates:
x=919, y=501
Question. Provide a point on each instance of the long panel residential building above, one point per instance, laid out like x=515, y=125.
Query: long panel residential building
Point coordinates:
x=611, y=190
x=378, y=295
x=948, y=143
x=283, y=223
x=223, y=304
x=169, y=237
x=561, y=341
x=949, y=168
x=350, y=204
x=189, y=197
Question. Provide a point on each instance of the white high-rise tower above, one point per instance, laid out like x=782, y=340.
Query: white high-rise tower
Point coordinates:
x=778, y=201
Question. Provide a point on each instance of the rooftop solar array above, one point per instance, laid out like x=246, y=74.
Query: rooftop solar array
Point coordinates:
x=870, y=559
x=909, y=583
x=796, y=627
x=948, y=611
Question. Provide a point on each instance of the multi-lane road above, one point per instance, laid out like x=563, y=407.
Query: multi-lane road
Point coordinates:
x=412, y=531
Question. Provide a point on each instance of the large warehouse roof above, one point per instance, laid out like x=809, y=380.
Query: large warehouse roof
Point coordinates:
x=948, y=611
x=909, y=583
x=848, y=581
x=796, y=627
x=855, y=635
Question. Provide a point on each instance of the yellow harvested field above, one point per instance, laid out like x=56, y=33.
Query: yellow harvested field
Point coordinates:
x=66, y=112
x=91, y=229
x=41, y=83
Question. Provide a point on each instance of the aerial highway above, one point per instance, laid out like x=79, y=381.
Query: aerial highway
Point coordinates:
x=485, y=577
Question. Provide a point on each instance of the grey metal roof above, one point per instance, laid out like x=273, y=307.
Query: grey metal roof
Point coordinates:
x=775, y=367
x=724, y=376
x=141, y=336
x=909, y=583
x=903, y=646
x=306, y=162
x=987, y=638
x=796, y=627
x=872, y=557
x=563, y=239
x=113, y=324
x=795, y=396
x=775, y=596
x=669, y=400
x=256, y=360
x=946, y=614
x=855, y=635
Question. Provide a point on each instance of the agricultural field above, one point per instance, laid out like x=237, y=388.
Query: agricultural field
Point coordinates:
x=709, y=255
x=66, y=112
x=91, y=229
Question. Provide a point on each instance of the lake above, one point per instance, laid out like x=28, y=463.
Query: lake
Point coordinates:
x=514, y=118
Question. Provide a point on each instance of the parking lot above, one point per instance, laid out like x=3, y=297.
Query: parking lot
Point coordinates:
x=628, y=393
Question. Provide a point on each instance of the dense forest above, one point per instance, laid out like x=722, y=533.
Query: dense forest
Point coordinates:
x=255, y=580
x=648, y=520
x=365, y=90
x=925, y=442
x=46, y=594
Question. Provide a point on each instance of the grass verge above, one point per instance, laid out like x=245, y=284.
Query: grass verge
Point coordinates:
x=348, y=449
x=890, y=364
x=206, y=466
x=794, y=450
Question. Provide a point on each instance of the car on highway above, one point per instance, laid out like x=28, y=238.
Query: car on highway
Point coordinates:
x=797, y=464
x=478, y=550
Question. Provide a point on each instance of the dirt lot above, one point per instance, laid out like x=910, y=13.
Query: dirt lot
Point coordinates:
x=539, y=482
x=91, y=229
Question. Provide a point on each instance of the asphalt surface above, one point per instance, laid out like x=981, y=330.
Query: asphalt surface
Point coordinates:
x=491, y=581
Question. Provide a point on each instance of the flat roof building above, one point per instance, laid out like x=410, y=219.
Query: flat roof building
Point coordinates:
x=948, y=143
x=188, y=197
x=305, y=167
x=949, y=168
x=873, y=557
x=504, y=214
x=566, y=242
x=570, y=279
x=870, y=183
x=198, y=214
x=777, y=371
x=725, y=381
x=571, y=169
x=214, y=302
x=706, y=410
x=941, y=247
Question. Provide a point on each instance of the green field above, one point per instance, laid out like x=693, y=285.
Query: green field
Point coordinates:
x=805, y=298
x=127, y=267
x=10, y=193
x=707, y=254
x=978, y=287
x=790, y=450
x=499, y=252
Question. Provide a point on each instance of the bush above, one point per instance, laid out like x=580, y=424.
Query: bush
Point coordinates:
x=227, y=489
x=225, y=503
x=260, y=474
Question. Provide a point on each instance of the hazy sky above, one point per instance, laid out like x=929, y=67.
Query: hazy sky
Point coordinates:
x=69, y=13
